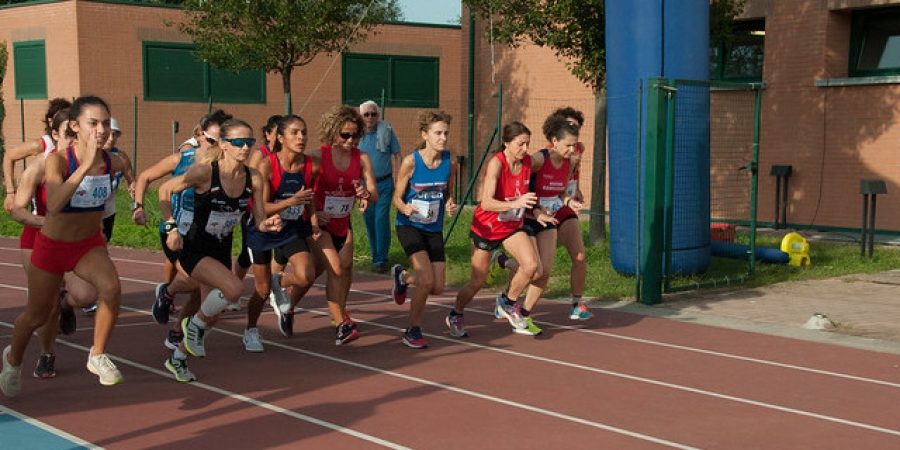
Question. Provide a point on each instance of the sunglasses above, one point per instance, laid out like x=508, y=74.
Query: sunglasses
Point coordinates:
x=210, y=139
x=346, y=135
x=240, y=142
x=370, y=114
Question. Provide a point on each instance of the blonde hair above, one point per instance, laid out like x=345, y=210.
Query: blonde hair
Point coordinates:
x=332, y=122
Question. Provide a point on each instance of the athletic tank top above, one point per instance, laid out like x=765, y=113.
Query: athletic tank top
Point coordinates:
x=183, y=202
x=215, y=213
x=335, y=191
x=492, y=225
x=93, y=191
x=295, y=219
x=548, y=183
x=427, y=191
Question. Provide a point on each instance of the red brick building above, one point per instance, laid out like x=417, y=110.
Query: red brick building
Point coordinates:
x=831, y=68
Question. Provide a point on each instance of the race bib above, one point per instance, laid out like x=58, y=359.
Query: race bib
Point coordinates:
x=185, y=219
x=512, y=215
x=292, y=212
x=221, y=223
x=551, y=204
x=92, y=192
x=571, y=188
x=427, y=211
x=338, y=207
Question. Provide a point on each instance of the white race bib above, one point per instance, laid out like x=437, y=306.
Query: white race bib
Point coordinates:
x=221, y=223
x=572, y=188
x=427, y=211
x=551, y=204
x=512, y=215
x=338, y=207
x=185, y=219
x=92, y=192
x=292, y=212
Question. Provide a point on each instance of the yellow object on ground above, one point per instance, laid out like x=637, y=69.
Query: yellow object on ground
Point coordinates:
x=797, y=248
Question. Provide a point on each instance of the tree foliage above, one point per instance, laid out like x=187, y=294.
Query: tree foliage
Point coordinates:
x=575, y=29
x=278, y=35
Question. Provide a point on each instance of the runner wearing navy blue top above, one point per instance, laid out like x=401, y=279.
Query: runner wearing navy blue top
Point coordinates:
x=288, y=177
x=421, y=198
x=223, y=187
x=77, y=183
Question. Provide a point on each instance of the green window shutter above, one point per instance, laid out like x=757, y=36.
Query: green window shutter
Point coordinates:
x=415, y=82
x=364, y=77
x=405, y=81
x=30, y=65
x=248, y=86
x=172, y=72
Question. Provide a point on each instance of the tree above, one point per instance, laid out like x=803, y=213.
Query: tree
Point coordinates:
x=576, y=31
x=278, y=35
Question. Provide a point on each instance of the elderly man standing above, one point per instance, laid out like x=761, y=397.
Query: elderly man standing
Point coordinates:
x=381, y=144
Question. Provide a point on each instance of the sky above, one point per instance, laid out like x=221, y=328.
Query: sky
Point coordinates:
x=442, y=12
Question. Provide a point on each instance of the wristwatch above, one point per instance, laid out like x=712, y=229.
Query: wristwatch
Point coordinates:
x=136, y=205
x=170, y=226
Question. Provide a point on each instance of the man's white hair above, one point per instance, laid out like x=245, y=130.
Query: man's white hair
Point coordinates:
x=370, y=103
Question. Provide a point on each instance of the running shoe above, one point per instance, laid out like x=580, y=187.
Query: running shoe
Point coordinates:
x=173, y=339
x=398, y=290
x=236, y=306
x=45, y=366
x=512, y=313
x=104, y=368
x=162, y=306
x=413, y=338
x=179, y=368
x=252, y=343
x=580, y=312
x=346, y=316
x=286, y=324
x=457, y=325
x=193, y=337
x=346, y=333
x=531, y=329
x=10, y=382
x=67, y=321
x=282, y=303
x=90, y=309
x=498, y=308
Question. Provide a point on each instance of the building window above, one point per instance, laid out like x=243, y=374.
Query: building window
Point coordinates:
x=742, y=59
x=30, y=65
x=875, y=42
x=174, y=72
x=391, y=80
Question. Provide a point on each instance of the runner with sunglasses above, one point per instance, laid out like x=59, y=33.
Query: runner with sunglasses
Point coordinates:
x=223, y=187
x=345, y=175
x=288, y=176
x=183, y=209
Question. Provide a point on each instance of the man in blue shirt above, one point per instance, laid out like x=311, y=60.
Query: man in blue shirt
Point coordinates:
x=381, y=144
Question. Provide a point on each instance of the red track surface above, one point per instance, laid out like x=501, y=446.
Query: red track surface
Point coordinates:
x=618, y=381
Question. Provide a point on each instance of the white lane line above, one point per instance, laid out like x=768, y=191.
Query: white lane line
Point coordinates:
x=637, y=378
x=48, y=428
x=642, y=380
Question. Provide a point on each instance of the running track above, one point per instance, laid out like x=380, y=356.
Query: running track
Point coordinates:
x=619, y=381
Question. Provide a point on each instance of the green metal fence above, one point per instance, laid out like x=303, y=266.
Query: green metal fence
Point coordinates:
x=733, y=121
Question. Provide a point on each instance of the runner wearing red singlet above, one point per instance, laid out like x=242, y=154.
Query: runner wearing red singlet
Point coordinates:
x=345, y=175
x=498, y=220
x=552, y=172
x=44, y=144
